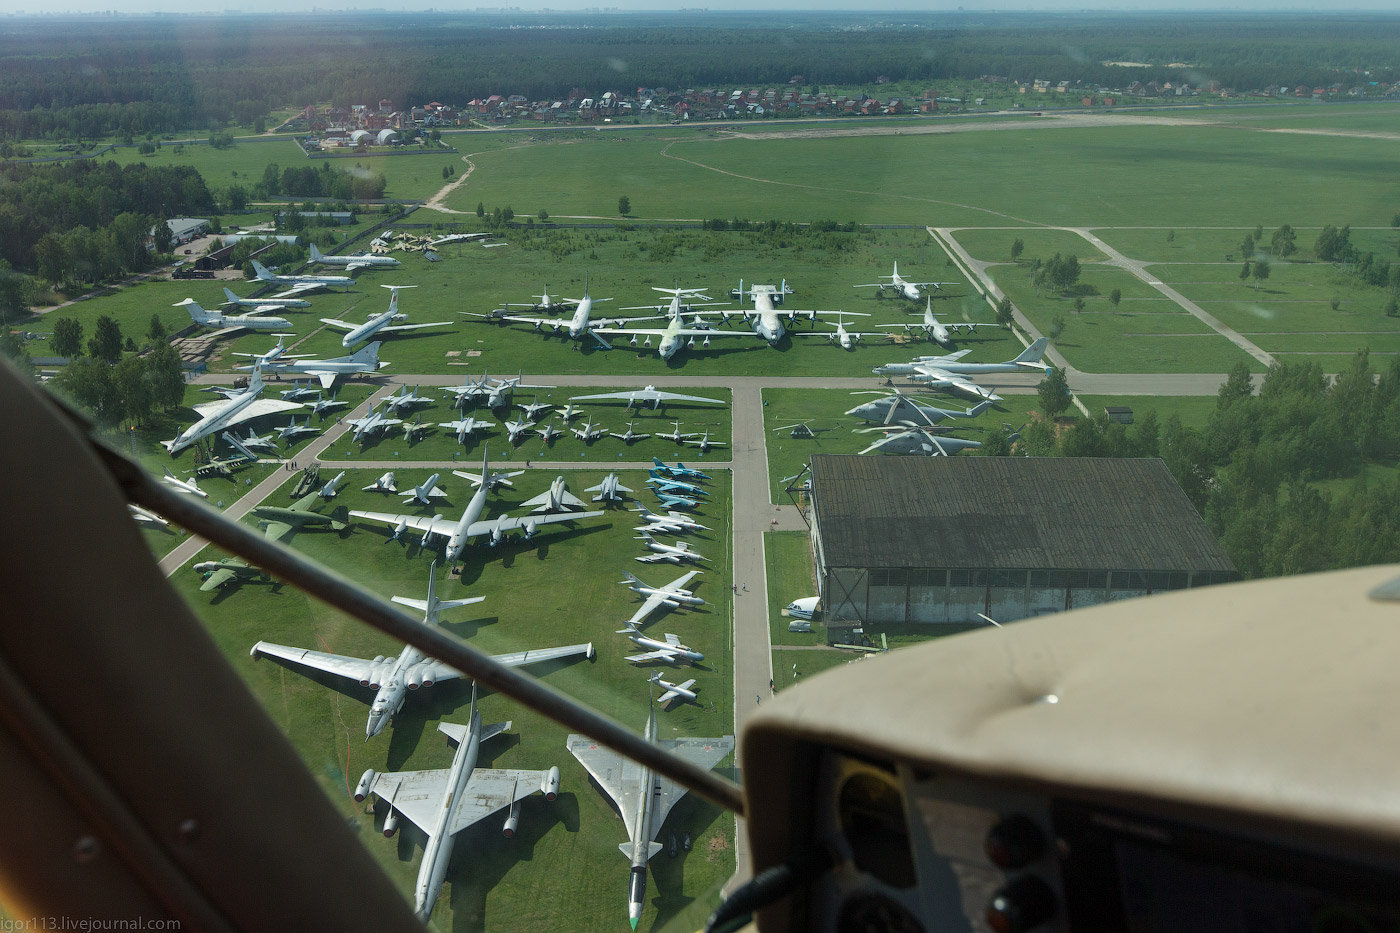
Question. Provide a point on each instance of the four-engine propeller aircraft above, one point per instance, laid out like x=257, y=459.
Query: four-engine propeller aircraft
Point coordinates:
x=650, y=395
x=353, y=264
x=934, y=329
x=443, y=803
x=216, y=416
x=228, y=323
x=902, y=287
x=277, y=524
x=457, y=534
x=379, y=323
x=644, y=798
x=673, y=336
x=576, y=327
x=673, y=594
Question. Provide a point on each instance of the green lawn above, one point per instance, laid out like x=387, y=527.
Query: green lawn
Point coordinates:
x=787, y=556
x=994, y=244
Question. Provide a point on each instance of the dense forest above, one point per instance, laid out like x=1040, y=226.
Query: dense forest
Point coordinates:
x=129, y=76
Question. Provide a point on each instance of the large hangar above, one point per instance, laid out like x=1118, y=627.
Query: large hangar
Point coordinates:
x=941, y=539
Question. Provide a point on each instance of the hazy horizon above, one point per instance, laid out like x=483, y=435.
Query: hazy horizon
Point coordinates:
x=276, y=8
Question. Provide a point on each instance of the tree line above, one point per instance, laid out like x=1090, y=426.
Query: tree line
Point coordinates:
x=113, y=381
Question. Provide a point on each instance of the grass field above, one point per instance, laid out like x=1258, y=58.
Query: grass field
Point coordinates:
x=787, y=556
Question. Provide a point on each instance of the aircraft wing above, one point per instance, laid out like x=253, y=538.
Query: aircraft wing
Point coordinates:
x=338, y=323
x=355, y=669
x=489, y=790
x=259, y=407
x=326, y=377
x=655, y=395
x=514, y=523
x=396, y=328
x=620, y=777
x=225, y=573
x=300, y=288
x=935, y=377
x=703, y=753
x=660, y=654
x=416, y=794
x=421, y=523
x=442, y=671
x=561, y=323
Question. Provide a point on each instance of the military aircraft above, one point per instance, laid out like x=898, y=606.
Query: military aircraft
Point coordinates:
x=253, y=441
x=415, y=429
x=610, y=489
x=901, y=287
x=278, y=524
x=183, y=485
x=493, y=479
x=299, y=391
x=146, y=517
x=680, y=470
x=669, y=649
x=674, y=501
x=677, y=435
x=457, y=534
x=589, y=432
x=238, y=446
x=576, y=327
x=673, y=594
x=549, y=432
x=556, y=498
x=321, y=406
x=649, y=395
x=353, y=264
x=298, y=284
x=375, y=422
x=443, y=803
x=228, y=323
x=265, y=304
x=629, y=435
x=533, y=408
x=332, y=488
x=216, y=416
x=363, y=360
x=278, y=352
x=677, y=553
x=675, y=486
x=498, y=391
x=933, y=367
x=425, y=491
x=406, y=398
x=703, y=441
x=913, y=440
x=466, y=427
x=469, y=392
x=847, y=339
x=765, y=319
x=379, y=323
x=671, y=337
x=385, y=483
x=517, y=430
x=674, y=692
x=643, y=798
x=897, y=407
x=569, y=412
x=670, y=523
x=934, y=329
x=394, y=678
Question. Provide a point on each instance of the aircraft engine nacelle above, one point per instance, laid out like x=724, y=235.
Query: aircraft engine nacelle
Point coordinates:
x=512, y=820
x=530, y=528
x=550, y=784
x=497, y=535
x=707, y=342
x=362, y=788
x=691, y=342
x=413, y=678
x=391, y=823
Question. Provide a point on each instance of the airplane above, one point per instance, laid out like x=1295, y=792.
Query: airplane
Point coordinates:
x=394, y=678
x=465, y=427
x=267, y=356
x=183, y=485
x=673, y=594
x=299, y=391
x=672, y=337
x=549, y=432
x=670, y=523
x=672, y=553
x=629, y=435
x=919, y=441
x=375, y=422
x=457, y=534
x=556, y=498
x=322, y=406
x=443, y=803
x=669, y=649
x=425, y=491
x=216, y=416
x=677, y=435
x=265, y=304
x=936, y=330
x=385, y=483
x=146, y=517
x=457, y=238
x=577, y=326
x=674, y=692
x=379, y=323
x=1029, y=359
x=298, y=283
x=610, y=488
x=238, y=446
x=532, y=409
x=352, y=264
x=644, y=798
x=673, y=501
x=901, y=287
x=278, y=524
x=764, y=318
x=406, y=399
x=517, y=430
x=569, y=412
x=493, y=479
x=703, y=442
x=228, y=323
x=680, y=470
x=675, y=486
x=846, y=338
x=253, y=440
x=363, y=360
x=469, y=392
x=589, y=432
x=898, y=407
x=331, y=489
x=650, y=394
x=415, y=429
x=499, y=390
x=225, y=466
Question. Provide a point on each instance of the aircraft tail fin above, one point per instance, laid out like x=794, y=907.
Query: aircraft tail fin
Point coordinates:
x=228, y=293
x=1034, y=352
x=316, y=253
x=261, y=272
x=197, y=313
x=980, y=407
x=369, y=353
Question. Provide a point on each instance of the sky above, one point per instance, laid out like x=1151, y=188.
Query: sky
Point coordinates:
x=30, y=7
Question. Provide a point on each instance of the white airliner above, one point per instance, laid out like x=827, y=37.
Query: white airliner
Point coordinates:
x=216, y=416
x=379, y=323
x=353, y=263
x=227, y=323
x=298, y=283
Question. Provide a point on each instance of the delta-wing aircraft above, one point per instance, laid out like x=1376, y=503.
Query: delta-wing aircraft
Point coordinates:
x=650, y=395
x=264, y=304
x=216, y=416
x=673, y=594
x=278, y=524
x=353, y=264
x=394, y=678
x=902, y=287
x=298, y=284
x=644, y=798
x=363, y=360
x=443, y=803
x=229, y=323
x=459, y=533
x=936, y=330
x=379, y=324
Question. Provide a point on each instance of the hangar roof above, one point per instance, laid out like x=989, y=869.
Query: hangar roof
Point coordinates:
x=1057, y=513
